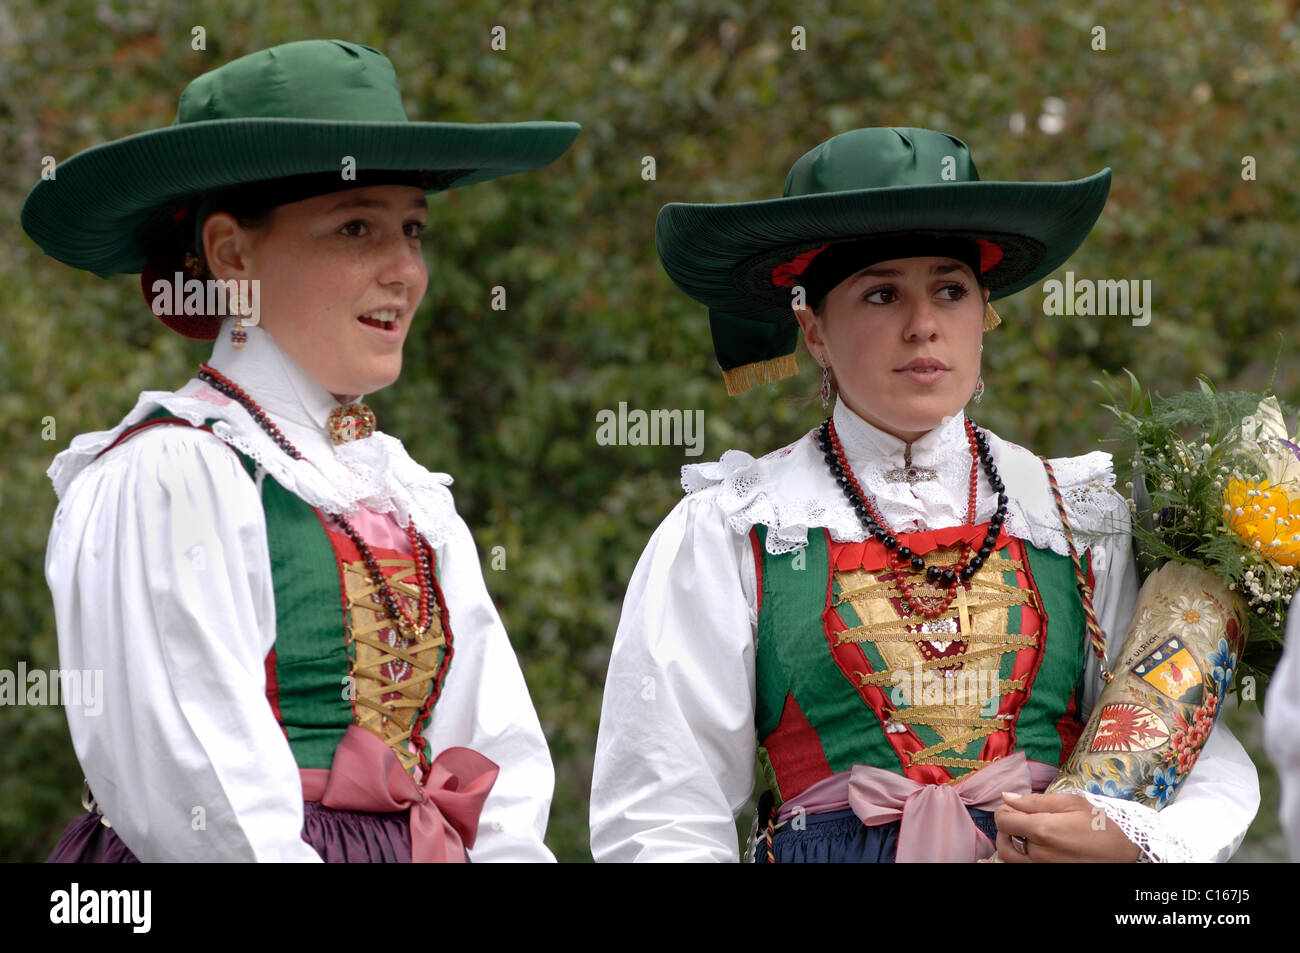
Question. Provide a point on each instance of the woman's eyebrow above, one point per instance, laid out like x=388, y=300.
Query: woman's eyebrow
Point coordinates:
x=876, y=273
x=895, y=273
x=419, y=203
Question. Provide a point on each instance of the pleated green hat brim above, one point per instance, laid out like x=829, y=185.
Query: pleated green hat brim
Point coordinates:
x=709, y=251
x=89, y=214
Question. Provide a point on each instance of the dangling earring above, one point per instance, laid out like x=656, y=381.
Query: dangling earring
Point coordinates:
x=979, y=389
x=238, y=335
x=826, y=386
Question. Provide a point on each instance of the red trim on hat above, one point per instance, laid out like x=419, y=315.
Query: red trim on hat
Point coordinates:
x=787, y=275
x=184, y=213
x=990, y=254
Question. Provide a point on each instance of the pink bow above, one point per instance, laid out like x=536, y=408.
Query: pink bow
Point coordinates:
x=936, y=826
x=367, y=776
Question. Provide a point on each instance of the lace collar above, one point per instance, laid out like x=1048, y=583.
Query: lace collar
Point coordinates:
x=375, y=472
x=791, y=491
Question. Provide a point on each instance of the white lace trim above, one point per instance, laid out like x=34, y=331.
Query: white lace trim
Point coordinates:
x=790, y=491
x=375, y=472
x=1141, y=825
x=1093, y=505
x=747, y=491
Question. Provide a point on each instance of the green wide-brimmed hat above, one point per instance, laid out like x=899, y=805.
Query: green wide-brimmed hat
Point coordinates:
x=282, y=119
x=863, y=196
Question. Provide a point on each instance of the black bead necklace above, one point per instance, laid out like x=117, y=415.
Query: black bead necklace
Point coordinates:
x=874, y=523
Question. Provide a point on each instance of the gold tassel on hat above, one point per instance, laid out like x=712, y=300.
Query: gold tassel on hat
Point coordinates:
x=991, y=319
x=748, y=376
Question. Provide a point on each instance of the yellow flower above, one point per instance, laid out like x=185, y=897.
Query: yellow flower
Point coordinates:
x=1266, y=517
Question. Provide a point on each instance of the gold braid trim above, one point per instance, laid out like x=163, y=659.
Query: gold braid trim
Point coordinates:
x=887, y=676
x=974, y=764
x=869, y=589
x=889, y=631
x=876, y=678
x=1011, y=594
x=1004, y=685
x=930, y=755
x=1000, y=563
x=868, y=633
x=994, y=564
x=904, y=636
x=915, y=717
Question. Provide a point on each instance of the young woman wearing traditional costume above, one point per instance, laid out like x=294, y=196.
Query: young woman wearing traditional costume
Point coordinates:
x=301, y=660
x=906, y=610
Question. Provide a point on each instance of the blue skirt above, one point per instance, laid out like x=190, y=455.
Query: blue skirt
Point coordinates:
x=838, y=837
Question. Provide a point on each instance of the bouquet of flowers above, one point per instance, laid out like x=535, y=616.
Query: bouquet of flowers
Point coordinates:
x=1216, y=505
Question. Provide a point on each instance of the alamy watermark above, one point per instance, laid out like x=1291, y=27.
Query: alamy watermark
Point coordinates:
x=75, y=905
x=934, y=687
x=1085, y=297
x=210, y=296
x=652, y=428
x=69, y=687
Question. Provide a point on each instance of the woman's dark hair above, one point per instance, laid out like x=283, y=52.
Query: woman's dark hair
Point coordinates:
x=168, y=236
x=250, y=210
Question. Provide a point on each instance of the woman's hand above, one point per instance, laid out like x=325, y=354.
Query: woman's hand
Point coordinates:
x=1059, y=828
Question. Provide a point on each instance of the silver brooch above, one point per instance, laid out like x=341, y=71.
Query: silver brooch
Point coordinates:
x=909, y=473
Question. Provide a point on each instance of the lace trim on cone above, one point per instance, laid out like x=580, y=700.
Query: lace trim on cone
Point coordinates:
x=1143, y=827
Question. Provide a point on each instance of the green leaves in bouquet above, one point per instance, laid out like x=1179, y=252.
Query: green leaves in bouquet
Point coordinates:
x=1184, y=449
x=1183, y=446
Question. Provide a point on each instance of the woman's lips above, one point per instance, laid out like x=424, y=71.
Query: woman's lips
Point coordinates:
x=923, y=375
x=390, y=330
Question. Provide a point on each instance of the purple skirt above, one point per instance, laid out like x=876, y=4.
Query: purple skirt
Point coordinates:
x=340, y=837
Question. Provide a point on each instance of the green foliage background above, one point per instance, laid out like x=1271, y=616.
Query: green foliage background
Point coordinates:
x=506, y=401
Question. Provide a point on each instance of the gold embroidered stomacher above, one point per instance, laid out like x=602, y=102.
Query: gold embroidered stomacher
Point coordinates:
x=940, y=673
x=392, y=676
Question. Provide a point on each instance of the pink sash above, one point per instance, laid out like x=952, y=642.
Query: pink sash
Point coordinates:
x=935, y=824
x=367, y=776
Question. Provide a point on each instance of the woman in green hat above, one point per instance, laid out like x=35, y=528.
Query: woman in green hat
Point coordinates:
x=300, y=658
x=906, y=610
